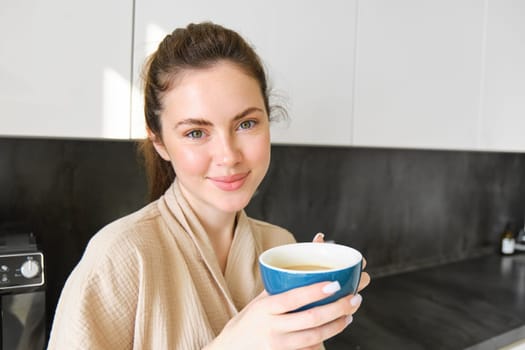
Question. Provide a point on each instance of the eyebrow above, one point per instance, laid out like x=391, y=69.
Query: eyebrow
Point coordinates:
x=204, y=122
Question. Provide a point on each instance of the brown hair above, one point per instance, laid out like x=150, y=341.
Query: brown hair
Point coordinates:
x=195, y=47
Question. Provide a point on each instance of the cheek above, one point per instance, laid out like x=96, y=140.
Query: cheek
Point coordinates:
x=260, y=152
x=189, y=161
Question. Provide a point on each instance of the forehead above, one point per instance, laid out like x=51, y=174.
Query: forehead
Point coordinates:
x=221, y=88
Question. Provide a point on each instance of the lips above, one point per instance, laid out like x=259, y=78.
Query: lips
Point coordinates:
x=230, y=182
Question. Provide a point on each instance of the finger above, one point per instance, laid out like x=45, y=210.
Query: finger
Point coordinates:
x=363, y=265
x=364, y=281
x=295, y=298
x=320, y=315
x=315, y=347
x=313, y=336
x=318, y=238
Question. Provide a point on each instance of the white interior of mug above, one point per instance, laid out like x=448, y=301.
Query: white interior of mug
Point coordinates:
x=332, y=256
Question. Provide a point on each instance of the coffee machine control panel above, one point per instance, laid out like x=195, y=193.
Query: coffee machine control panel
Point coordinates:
x=21, y=271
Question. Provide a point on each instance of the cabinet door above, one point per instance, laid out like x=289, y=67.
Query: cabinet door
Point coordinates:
x=307, y=47
x=65, y=68
x=503, y=117
x=418, y=73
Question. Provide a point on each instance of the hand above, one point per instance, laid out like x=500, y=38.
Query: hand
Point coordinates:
x=365, y=277
x=266, y=323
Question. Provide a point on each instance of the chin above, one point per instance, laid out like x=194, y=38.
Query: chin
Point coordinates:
x=233, y=205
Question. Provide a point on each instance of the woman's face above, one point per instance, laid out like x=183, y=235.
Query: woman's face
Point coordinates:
x=215, y=133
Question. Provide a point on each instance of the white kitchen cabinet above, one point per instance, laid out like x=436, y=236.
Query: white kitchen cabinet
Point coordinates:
x=503, y=111
x=65, y=68
x=418, y=73
x=307, y=46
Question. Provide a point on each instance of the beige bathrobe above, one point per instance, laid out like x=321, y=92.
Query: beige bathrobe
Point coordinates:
x=151, y=281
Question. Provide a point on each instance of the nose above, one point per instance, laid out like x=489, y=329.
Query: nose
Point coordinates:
x=228, y=151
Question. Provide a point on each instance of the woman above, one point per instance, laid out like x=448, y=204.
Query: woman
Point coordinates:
x=182, y=273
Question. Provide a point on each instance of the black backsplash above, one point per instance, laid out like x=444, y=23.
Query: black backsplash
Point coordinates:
x=404, y=209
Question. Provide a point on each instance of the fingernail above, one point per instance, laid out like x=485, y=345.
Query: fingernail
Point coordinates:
x=318, y=236
x=356, y=300
x=331, y=287
x=349, y=319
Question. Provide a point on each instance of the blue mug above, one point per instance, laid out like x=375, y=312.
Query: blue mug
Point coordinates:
x=300, y=264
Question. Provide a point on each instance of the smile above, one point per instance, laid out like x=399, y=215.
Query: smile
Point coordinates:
x=229, y=183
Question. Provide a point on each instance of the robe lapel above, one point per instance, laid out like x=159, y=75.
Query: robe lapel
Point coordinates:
x=242, y=269
x=199, y=256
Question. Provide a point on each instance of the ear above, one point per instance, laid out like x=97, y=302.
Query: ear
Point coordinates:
x=159, y=146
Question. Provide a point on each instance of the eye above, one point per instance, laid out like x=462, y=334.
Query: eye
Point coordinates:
x=247, y=124
x=195, y=134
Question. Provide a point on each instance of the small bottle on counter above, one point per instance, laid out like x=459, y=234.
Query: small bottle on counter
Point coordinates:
x=508, y=241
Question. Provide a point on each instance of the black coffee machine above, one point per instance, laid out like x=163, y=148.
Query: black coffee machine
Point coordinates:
x=22, y=290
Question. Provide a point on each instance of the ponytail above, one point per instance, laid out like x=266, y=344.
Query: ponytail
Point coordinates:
x=159, y=172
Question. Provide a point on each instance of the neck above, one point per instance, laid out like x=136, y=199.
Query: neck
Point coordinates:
x=220, y=229
x=219, y=226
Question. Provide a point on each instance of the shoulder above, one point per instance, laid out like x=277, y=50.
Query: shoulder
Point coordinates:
x=98, y=303
x=270, y=235
x=136, y=226
x=127, y=238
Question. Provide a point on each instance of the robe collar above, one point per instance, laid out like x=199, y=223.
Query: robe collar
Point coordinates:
x=240, y=282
